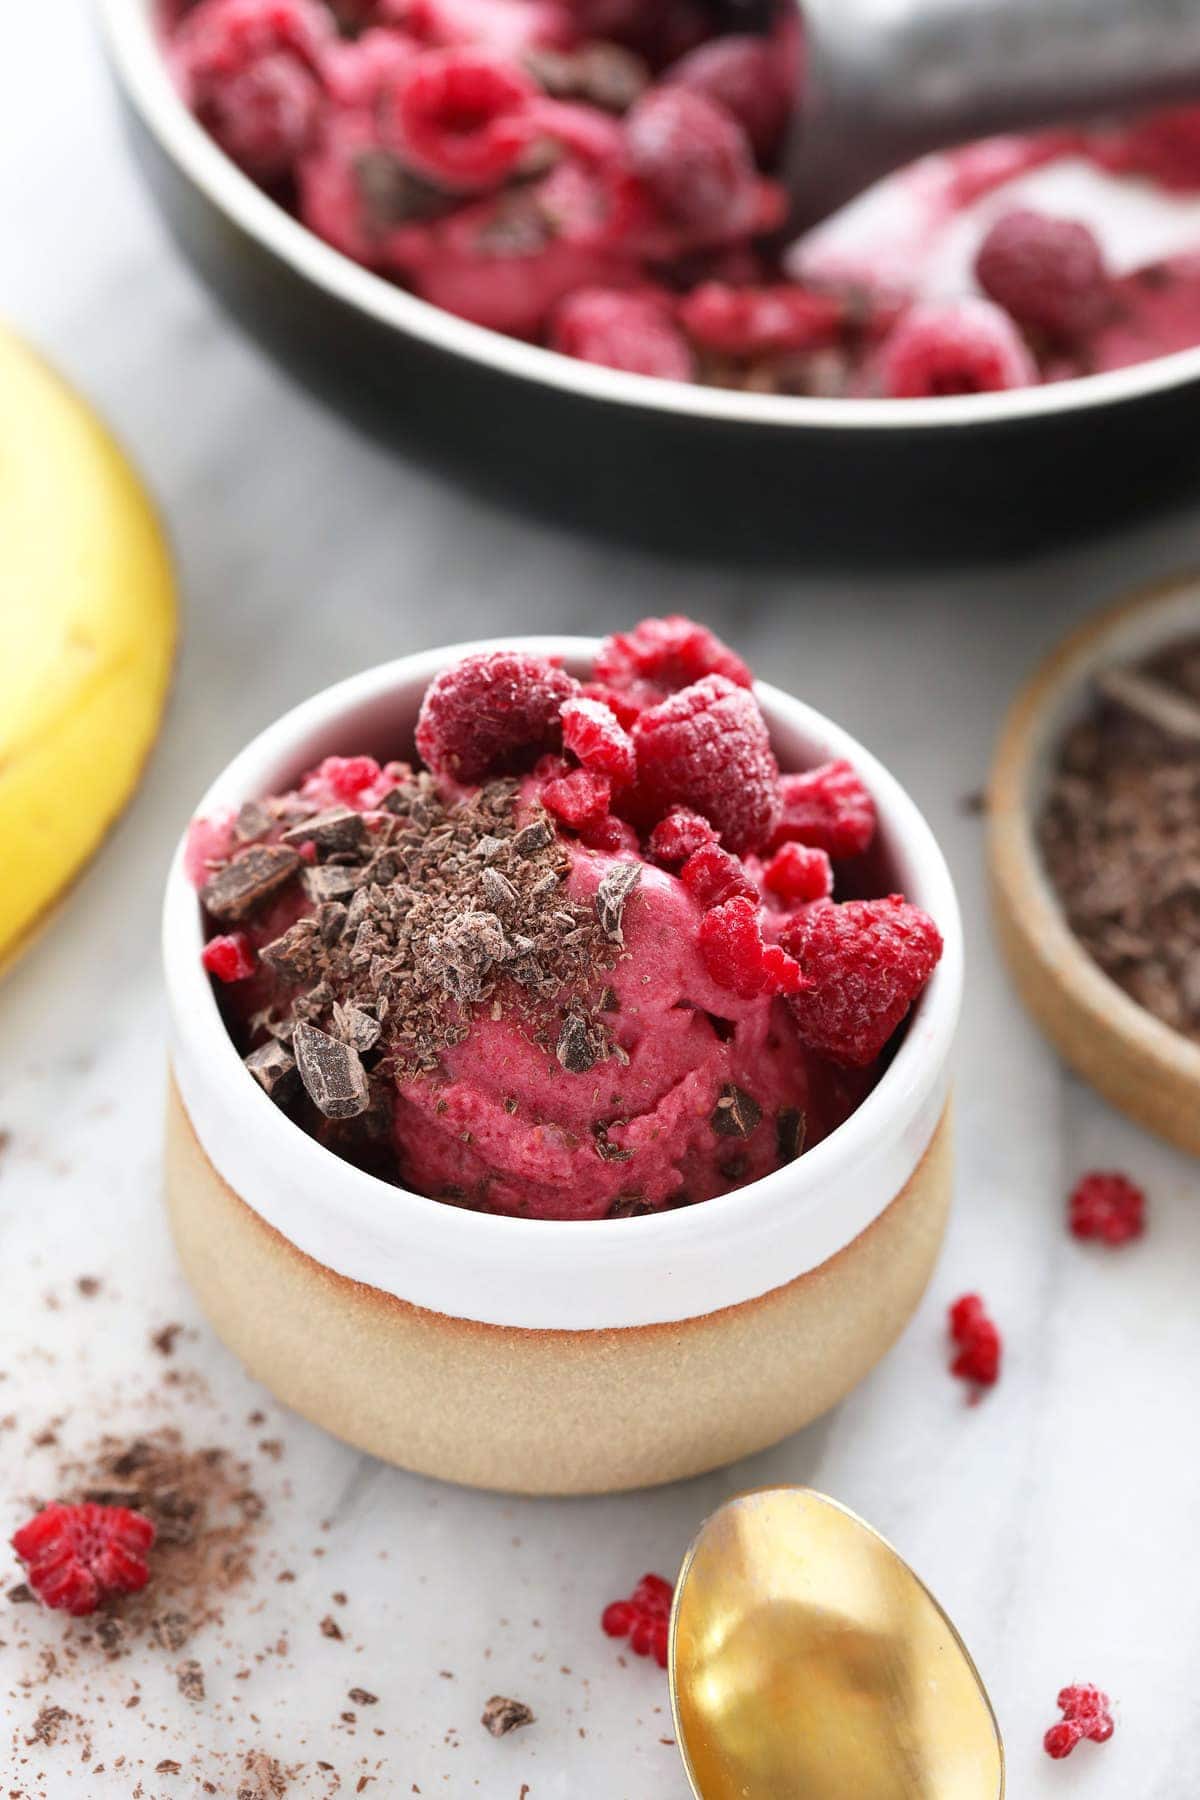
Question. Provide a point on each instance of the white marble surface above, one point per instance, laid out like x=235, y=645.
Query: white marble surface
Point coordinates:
x=1057, y=1520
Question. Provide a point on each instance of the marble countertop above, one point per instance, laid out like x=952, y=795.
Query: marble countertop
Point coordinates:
x=1057, y=1520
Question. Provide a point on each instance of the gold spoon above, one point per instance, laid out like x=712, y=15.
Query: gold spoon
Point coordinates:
x=807, y=1662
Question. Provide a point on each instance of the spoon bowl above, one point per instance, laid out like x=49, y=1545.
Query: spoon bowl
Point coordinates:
x=808, y=1662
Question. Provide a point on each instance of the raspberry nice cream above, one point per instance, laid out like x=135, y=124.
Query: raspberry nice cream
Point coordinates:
x=544, y=1055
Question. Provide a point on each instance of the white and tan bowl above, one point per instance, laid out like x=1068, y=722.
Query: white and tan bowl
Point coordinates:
x=1141, y=1066
x=534, y=1355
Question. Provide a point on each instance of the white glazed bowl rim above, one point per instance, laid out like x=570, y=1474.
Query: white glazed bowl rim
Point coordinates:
x=133, y=44
x=549, y=1274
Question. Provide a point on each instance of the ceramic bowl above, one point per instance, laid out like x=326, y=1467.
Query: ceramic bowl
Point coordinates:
x=696, y=467
x=1140, y=1065
x=546, y=1356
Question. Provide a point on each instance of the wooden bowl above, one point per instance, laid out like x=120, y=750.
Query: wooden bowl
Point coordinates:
x=1145, y=1068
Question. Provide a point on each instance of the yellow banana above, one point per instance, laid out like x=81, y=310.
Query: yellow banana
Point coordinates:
x=87, y=637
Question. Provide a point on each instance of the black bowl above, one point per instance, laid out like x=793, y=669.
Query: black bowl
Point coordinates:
x=663, y=463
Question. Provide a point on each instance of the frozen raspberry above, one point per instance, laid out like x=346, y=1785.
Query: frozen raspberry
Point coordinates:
x=711, y=875
x=251, y=72
x=865, y=962
x=609, y=834
x=462, y=117
x=961, y=347
x=738, y=958
x=508, y=27
x=1086, y=1713
x=645, y=1618
x=624, y=705
x=978, y=1342
x=1109, y=1207
x=630, y=331
x=1048, y=273
x=707, y=748
x=76, y=1556
x=826, y=808
x=761, y=321
x=679, y=836
x=579, y=799
x=694, y=158
x=667, y=654
x=799, y=874
x=230, y=958
x=593, y=733
x=742, y=74
x=1163, y=146
x=488, y=708
x=341, y=780
x=363, y=75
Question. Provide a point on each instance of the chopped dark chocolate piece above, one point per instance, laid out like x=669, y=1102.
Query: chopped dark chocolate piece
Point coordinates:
x=500, y=893
x=336, y=830
x=253, y=877
x=629, y=1206
x=577, y=1048
x=502, y=1715
x=790, y=1128
x=355, y=1027
x=608, y=1001
x=488, y=848
x=533, y=837
x=332, y=1073
x=329, y=881
x=362, y=1697
x=190, y=1680
x=611, y=897
x=295, y=954
x=466, y=951
x=399, y=799
x=331, y=922
x=253, y=821
x=736, y=1113
x=274, y=1069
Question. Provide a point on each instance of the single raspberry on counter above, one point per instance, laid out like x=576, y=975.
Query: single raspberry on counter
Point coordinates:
x=76, y=1556
x=978, y=1341
x=463, y=117
x=737, y=956
x=828, y=809
x=865, y=962
x=645, y=1618
x=251, y=72
x=694, y=158
x=484, y=710
x=679, y=836
x=580, y=799
x=667, y=654
x=959, y=347
x=230, y=958
x=616, y=329
x=707, y=748
x=1107, y=1206
x=712, y=876
x=1049, y=274
x=799, y=874
x=762, y=321
x=1086, y=1713
x=742, y=74
x=593, y=733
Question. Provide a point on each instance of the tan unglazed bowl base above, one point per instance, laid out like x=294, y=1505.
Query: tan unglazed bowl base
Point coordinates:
x=549, y=1412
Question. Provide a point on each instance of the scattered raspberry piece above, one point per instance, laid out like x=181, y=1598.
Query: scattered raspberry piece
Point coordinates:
x=230, y=958
x=633, y=331
x=865, y=962
x=959, y=347
x=694, y=157
x=762, y=321
x=645, y=1618
x=679, y=836
x=607, y=833
x=76, y=1556
x=668, y=654
x=596, y=736
x=978, y=1342
x=579, y=799
x=799, y=874
x=828, y=809
x=1049, y=274
x=487, y=708
x=707, y=748
x=742, y=74
x=341, y=779
x=250, y=71
x=1086, y=1713
x=712, y=876
x=462, y=117
x=1109, y=1207
x=737, y=957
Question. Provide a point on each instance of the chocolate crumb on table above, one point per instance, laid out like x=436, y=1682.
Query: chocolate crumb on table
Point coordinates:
x=1120, y=831
x=502, y=1715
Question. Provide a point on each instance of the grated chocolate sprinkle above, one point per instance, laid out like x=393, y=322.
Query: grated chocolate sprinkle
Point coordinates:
x=736, y=1114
